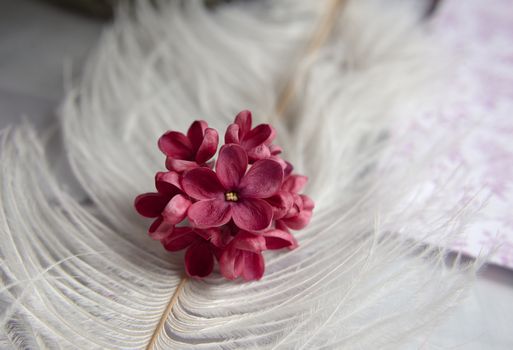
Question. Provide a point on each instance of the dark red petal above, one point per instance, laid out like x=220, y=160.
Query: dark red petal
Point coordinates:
x=202, y=183
x=199, y=260
x=294, y=183
x=175, y=145
x=176, y=210
x=180, y=165
x=281, y=203
x=263, y=180
x=231, y=262
x=209, y=213
x=232, y=134
x=160, y=229
x=196, y=132
x=150, y=205
x=252, y=214
x=208, y=146
x=168, y=183
x=259, y=152
x=253, y=266
x=244, y=121
x=277, y=239
x=179, y=239
x=249, y=241
x=256, y=137
x=231, y=165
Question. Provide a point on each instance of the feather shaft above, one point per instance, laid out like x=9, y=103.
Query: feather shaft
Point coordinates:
x=166, y=313
x=324, y=28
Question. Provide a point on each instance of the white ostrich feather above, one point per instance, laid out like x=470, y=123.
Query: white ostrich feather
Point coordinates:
x=82, y=273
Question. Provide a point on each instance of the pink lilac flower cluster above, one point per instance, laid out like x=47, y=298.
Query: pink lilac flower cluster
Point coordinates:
x=231, y=209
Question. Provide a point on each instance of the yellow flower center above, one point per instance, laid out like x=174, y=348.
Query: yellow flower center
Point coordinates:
x=231, y=196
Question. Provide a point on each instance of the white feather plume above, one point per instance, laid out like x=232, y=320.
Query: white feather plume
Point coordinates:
x=83, y=274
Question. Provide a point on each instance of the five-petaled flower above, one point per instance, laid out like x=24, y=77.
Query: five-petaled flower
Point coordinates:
x=230, y=210
x=231, y=193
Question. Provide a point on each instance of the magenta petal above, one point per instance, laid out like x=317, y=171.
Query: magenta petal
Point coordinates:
x=180, y=165
x=294, y=183
x=176, y=210
x=277, y=239
x=213, y=235
x=160, y=229
x=208, y=146
x=300, y=221
x=249, y=241
x=232, y=134
x=275, y=149
x=259, y=152
x=176, y=145
x=196, y=132
x=179, y=239
x=168, y=183
x=231, y=263
x=257, y=136
x=252, y=214
x=263, y=179
x=150, y=205
x=244, y=121
x=281, y=203
x=199, y=260
x=253, y=266
x=202, y=183
x=231, y=165
x=308, y=203
x=209, y=213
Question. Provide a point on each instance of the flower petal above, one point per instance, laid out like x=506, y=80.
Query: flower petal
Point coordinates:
x=160, y=229
x=249, y=241
x=231, y=263
x=252, y=214
x=199, y=260
x=196, y=133
x=259, y=152
x=168, y=183
x=308, y=203
x=257, y=136
x=176, y=210
x=277, y=239
x=208, y=146
x=231, y=165
x=179, y=239
x=294, y=183
x=209, y=213
x=244, y=121
x=150, y=205
x=202, y=183
x=253, y=266
x=299, y=221
x=213, y=235
x=281, y=203
x=232, y=134
x=275, y=149
x=263, y=179
x=180, y=165
x=176, y=145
